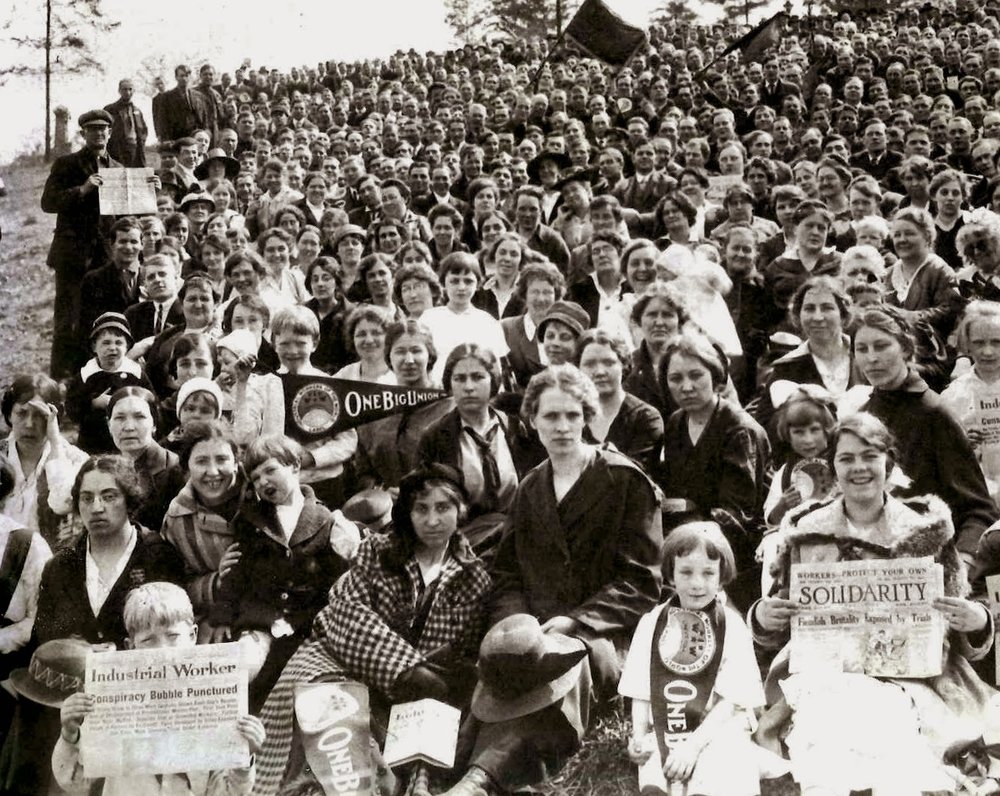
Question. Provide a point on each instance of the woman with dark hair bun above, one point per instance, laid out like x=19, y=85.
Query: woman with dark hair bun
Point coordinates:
x=406, y=620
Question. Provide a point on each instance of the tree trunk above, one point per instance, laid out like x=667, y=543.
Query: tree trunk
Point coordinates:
x=48, y=80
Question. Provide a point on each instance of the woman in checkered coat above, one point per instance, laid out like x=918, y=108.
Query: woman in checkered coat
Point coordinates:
x=406, y=620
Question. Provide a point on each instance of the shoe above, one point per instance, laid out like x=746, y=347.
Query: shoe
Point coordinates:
x=476, y=782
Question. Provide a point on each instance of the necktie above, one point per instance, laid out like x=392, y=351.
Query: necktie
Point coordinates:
x=491, y=472
x=158, y=322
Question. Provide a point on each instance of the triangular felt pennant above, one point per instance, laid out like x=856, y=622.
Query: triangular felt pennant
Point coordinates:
x=755, y=43
x=604, y=34
x=320, y=406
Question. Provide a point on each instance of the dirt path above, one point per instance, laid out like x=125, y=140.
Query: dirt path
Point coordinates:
x=26, y=286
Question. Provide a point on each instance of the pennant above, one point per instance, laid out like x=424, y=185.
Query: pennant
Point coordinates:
x=333, y=720
x=320, y=406
x=757, y=41
x=604, y=34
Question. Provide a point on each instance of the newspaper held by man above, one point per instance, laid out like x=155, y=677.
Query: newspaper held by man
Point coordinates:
x=871, y=616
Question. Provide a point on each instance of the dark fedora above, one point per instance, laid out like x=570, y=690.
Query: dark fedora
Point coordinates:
x=522, y=669
x=561, y=159
x=56, y=671
x=232, y=165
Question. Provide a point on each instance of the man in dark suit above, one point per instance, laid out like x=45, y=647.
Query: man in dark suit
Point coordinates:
x=115, y=286
x=77, y=245
x=646, y=186
x=773, y=89
x=127, y=143
x=161, y=308
x=439, y=193
x=876, y=159
x=180, y=111
x=211, y=100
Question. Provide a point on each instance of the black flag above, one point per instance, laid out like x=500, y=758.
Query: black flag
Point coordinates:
x=604, y=34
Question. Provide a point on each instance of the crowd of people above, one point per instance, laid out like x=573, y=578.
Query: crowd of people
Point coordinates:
x=700, y=319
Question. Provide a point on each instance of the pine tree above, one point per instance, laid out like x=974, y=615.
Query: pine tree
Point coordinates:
x=69, y=26
x=518, y=19
x=677, y=11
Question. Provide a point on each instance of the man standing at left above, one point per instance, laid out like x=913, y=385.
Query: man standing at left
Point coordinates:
x=127, y=143
x=77, y=245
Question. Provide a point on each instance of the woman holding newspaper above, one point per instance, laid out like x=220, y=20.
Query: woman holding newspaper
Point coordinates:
x=881, y=687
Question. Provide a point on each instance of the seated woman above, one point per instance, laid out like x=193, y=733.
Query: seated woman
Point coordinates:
x=43, y=460
x=485, y=445
x=934, y=452
x=332, y=309
x=82, y=594
x=406, y=620
x=365, y=332
x=416, y=287
x=539, y=286
x=387, y=448
x=133, y=417
x=601, y=512
x=820, y=310
x=197, y=522
x=833, y=721
x=715, y=455
x=632, y=426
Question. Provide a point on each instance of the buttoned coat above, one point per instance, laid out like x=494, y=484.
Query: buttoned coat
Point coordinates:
x=594, y=556
x=117, y=146
x=179, y=112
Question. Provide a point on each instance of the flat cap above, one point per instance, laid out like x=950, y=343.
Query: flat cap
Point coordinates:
x=98, y=116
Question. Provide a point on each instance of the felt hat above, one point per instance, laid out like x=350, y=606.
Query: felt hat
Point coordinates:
x=568, y=313
x=522, y=669
x=232, y=165
x=111, y=320
x=56, y=671
x=369, y=507
x=349, y=229
x=192, y=198
x=561, y=159
x=97, y=117
x=240, y=341
x=199, y=384
x=588, y=176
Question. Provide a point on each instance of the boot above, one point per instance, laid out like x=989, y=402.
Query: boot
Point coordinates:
x=476, y=782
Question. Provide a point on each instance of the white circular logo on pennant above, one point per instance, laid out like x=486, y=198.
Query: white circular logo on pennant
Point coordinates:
x=315, y=408
x=688, y=642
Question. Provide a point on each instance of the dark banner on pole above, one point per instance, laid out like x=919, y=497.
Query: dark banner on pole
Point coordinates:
x=604, y=34
x=318, y=406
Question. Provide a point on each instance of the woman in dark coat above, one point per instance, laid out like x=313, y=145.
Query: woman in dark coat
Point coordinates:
x=395, y=622
x=934, y=451
x=715, y=455
x=632, y=426
x=106, y=493
x=582, y=556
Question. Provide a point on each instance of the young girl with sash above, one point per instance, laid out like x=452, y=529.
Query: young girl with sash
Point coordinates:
x=693, y=679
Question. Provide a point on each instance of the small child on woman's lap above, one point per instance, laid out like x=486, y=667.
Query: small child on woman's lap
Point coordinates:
x=693, y=679
x=805, y=419
x=156, y=615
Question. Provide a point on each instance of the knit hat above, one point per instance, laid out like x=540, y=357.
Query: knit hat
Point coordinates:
x=199, y=384
x=568, y=313
x=112, y=320
x=241, y=342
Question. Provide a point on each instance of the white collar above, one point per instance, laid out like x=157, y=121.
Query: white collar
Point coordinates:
x=127, y=366
x=529, y=327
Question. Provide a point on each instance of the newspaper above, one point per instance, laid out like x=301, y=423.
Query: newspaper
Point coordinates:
x=872, y=616
x=127, y=192
x=986, y=418
x=424, y=730
x=165, y=711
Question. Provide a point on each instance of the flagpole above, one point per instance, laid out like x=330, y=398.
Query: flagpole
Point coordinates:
x=538, y=72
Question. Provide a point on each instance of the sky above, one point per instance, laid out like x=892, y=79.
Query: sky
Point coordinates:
x=280, y=33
